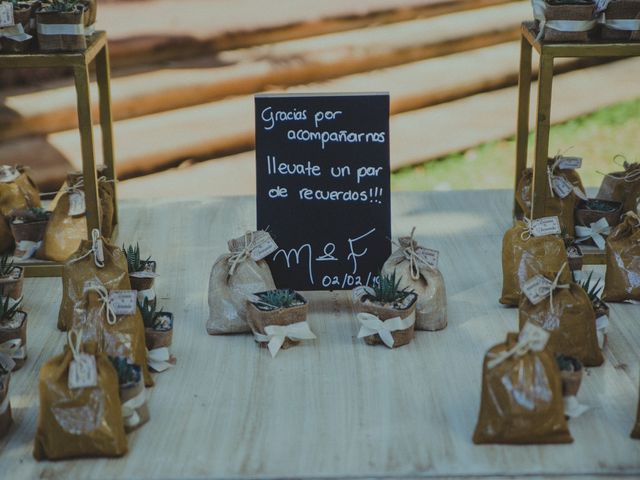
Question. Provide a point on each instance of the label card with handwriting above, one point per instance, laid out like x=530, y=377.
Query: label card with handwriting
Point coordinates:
x=570, y=163
x=83, y=372
x=77, y=205
x=264, y=247
x=562, y=187
x=6, y=15
x=323, y=188
x=123, y=302
x=428, y=256
x=537, y=288
x=541, y=227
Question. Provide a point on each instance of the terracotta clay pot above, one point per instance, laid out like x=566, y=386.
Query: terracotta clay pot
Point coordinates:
x=155, y=338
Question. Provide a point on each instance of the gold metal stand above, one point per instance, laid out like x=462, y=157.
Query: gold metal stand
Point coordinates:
x=549, y=52
x=97, y=51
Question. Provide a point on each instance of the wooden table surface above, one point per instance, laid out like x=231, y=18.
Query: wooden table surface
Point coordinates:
x=333, y=407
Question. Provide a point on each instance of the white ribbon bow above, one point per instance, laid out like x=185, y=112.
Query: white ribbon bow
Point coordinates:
x=275, y=335
x=16, y=33
x=13, y=348
x=547, y=290
x=28, y=247
x=595, y=232
x=158, y=359
x=372, y=325
x=129, y=409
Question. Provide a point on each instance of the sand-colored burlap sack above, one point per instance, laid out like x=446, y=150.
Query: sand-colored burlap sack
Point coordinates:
x=233, y=277
x=521, y=399
x=621, y=281
x=563, y=208
x=622, y=186
x=17, y=190
x=79, y=422
x=566, y=312
x=415, y=268
x=524, y=255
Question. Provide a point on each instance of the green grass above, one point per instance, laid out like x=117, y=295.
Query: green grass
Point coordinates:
x=596, y=137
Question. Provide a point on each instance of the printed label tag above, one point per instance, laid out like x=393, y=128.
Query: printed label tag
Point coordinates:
x=545, y=226
x=537, y=337
x=561, y=186
x=123, y=302
x=83, y=372
x=359, y=292
x=429, y=256
x=6, y=14
x=570, y=163
x=6, y=362
x=265, y=246
x=537, y=288
x=99, y=250
x=77, y=205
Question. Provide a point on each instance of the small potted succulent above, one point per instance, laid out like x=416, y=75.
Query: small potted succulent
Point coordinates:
x=16, y=41
x=620, y=22
x=593, y=209
x=158, y=326
x=28, y=226
x=142, y=273
x=11, y=278
x=6, y=367
x=279, y=307
x=570, y=373
x=388, y=302
x=574, y=253
x=594, y=290
x=13, y=330
x=61, y=12
x=572, y=10
x=135, y=411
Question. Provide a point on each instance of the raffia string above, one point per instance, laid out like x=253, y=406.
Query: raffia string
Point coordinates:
x=96, y=250
x=240, y=256
x=518, y=350
x=103, y=296
x=74, y=339
x=415, y=259
x=549, y=289
x=527, y=232
x=630, y=176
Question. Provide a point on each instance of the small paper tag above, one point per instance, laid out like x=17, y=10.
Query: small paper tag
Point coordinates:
x=429, y=256
x=83, y=372
x=537, y=288
x=7, y=363
x=123, y=302
x=77, y=205
x=264, y=247
x=545, y=226
x=570, y=163
x=99, y=251
x=537, y=337
x=359, y=292
x=562, y=187
x=6, y=14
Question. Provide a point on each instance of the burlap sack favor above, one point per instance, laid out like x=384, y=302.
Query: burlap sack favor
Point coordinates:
x=565, y=191
x=233, y=277
x=623, y=261
x=106, y=193
x=528, y=250
x=417, y=269
x=566, y=312
x=17, y=190
x=80, y=414
x=623, y=187
x=521, y=399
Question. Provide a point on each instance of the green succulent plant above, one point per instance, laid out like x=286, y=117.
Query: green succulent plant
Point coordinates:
x=592, y=288
x=127, y=372
x=7, y=310
x=32, y=214
x=388, y=289
x=150, y=317
x=62, y=6
x=6, y=265
x=281, y=298
x=134, y=264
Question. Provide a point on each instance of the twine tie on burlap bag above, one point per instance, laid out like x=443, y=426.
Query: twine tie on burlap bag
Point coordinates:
x=630, y=176
x=372, y=325
x=539, y=13
x=595, y=232
x=96, y=249
x=551, y=176
x=527, y=232
x=103, y=296
x=74, y=340
x=13, y=348
x=416, y=261
x=158, y=359
x=275, y=335
x=240, y=256
x=547, y=290
x=534, y=340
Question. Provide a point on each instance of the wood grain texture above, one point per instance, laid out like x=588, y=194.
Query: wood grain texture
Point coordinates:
x=333, y=407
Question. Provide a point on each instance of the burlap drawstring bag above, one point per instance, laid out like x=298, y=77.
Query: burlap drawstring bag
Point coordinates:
x=636, y=430
x=621, y=281
x=521, y=399
x=566, y=312
x=416, y=274
x=555, y=205
x=83, y=421
x=106, y=193
x=524, y=255
x=17, y=190
x=623, y=186
x=233, y=277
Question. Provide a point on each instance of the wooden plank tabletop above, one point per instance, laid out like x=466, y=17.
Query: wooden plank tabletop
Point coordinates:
x=333, y=407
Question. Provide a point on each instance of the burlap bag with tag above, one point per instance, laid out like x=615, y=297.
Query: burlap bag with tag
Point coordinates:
x=563, y=208
x=79, y=422
x=568, y=315
x=106, y=193
x=524, y=255
x=234, y=276
x=17, y=190
x=417, y=275
x=521, y=399
x=621, y=280
x=623, y=187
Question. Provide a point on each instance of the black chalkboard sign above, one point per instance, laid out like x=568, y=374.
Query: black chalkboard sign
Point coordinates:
x=323, y=191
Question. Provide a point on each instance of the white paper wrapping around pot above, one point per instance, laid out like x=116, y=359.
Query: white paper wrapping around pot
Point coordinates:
x=228, y=292
x=61, y=29
x=539, y=13
x=159, y=359
x=623, y=24
x=130, y=409
x=17, y=34
x=14, y=349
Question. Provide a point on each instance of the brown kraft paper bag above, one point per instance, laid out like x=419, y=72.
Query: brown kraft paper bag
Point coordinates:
x=567, y=314
x=521, y=400
x=17, y=190
x=411, y=264
x=554, y=205
x=233, y=277
x=623, y=187
x=622, y=278
x=524, y=255
x=79, y=422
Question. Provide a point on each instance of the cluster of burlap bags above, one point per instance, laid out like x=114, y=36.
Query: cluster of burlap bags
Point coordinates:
x=17, y=190
x=521, y=399
x=623, y=261
x=622, y=186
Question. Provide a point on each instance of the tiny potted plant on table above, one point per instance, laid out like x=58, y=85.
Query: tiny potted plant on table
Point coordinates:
x=601, y=309
x=570, y=373
x=142, y=273
x=135, y=411
x=387, y=313
x=6, y=366
x=593, y=209
x=158, y=334
x=11, y=278
x=278, y=318
x=17, y=38
x=13, y=330
x=56, y=13
x=574, y=253
x=571, y=10
x=28, y=226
